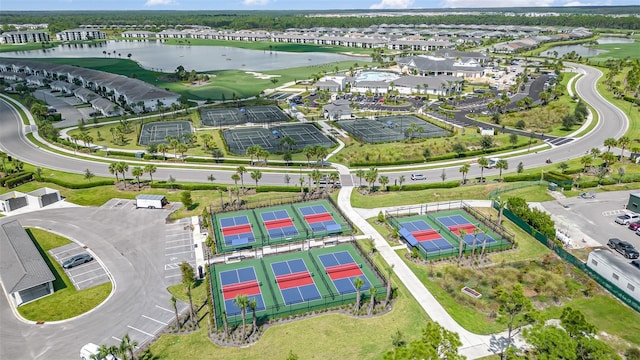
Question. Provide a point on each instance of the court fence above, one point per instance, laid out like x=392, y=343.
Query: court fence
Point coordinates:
x=570, y=258
x=429, y=210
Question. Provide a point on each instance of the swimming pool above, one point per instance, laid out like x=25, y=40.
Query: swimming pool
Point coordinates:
x=377, y=76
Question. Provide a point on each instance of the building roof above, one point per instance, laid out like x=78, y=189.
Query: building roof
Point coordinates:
x=21, y=265
x=149, y=197
x=622, y=267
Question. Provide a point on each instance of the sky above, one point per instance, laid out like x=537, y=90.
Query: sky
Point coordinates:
x=9, y=5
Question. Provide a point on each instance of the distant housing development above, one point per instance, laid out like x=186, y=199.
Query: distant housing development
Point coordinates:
x=116, y=93
x=23, y=37
x=80, y=35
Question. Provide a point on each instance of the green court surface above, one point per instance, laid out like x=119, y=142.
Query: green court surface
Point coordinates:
x=440, y=234
x=249, y=229
x=293, y=283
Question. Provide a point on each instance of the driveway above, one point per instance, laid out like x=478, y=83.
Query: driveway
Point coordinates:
x=70, y=115
x=82, y=276
x=130, y=244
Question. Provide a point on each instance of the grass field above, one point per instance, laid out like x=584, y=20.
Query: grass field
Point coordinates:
x=617, y=51
x=328, y=336
x=66, y=302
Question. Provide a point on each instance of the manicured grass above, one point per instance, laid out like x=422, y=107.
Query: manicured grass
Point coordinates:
x=396, y=198
x=633, y=112
x=328, y=336
x=66, y=302
x=617, y=51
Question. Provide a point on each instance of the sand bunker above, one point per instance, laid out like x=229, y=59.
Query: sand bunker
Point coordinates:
x=261, y=75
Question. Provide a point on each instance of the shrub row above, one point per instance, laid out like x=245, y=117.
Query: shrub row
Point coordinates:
x=268, y=188
x=414, y=187
x=19, y=180
x=191, y=187
x=521, y=177
x=11, y=176
x=70, y=185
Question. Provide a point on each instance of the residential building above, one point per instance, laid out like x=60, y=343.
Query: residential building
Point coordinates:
x=23, y=37
x=80, y=35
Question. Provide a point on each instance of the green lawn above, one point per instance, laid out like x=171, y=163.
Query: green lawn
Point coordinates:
x=66, y=302
x=327, y=336
x=616, y=51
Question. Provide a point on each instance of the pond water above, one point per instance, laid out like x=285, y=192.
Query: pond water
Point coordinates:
x=154, y=55
x=583, y=50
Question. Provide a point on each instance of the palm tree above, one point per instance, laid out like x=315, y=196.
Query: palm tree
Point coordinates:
x=321, y=152
x=113, y=169
x=182, y=148
x=174, y=304
x=586, y=162
x=137, y=172
x=309, y=151
x=256, y=175
x=372, y=303
x=173, y=143
x=371, y=177
x=123, y=167
x=384, y=180
x=501, y=205
x=464, y=170
x=163, y=148
x=358, y=283
x=150, y=169
x=123, y=349
x=623, y=143
x=129, y=345
x=482, y=162
x=401, y=180
x=476, y=231
x=241, y=170
x=242, y=302
x=253, y=305
x=609, y=143
x=595, y=152
x=235, y=177
x=502, y=164
x=301, y=180
x=361, y=174
x=316, y=176
x=463, y=233
x=334, y=177
x=388, y=295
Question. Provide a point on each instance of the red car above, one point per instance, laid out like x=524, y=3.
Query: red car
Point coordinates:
x=634, y=226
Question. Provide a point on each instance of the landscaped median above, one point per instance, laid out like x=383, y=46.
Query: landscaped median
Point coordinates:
x=66, y=302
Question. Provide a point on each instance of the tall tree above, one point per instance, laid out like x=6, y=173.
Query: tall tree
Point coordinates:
x=188, y=280
x=242, y=302
x=137, y=172
x=113, y=169
x=514, y=310
x=372, y=299
x=174, y=304
x=358, y=283
x=436, y=342
x=256, y=175
x=501, y=165
x=150, y=169
x=464, y=170
x=623, y=143
x=482, y=162
x=241, y=170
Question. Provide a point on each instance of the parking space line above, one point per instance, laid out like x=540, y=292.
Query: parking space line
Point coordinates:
x=176, y=240
x=86, y=272
x=165, y=309
x=95, y=277
x=152, y=319
x=172, y=276
x=178, y=253
x=116, y=339
x=142, y=331
x=178, y=246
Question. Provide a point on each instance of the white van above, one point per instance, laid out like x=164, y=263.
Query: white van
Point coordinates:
x=90, y=351
x=492, y=163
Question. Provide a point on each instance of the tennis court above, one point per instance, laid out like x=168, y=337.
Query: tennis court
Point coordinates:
x=279, y=224
x=294, y=281
x=320, y=219
x=343, y=270
x=457, y=223
x=237, y=230
x=156, y=132
x=242, y=115
x=418, y=232
x=242, y=281
x=272, y=139
x=390, y=128
x=290, y=283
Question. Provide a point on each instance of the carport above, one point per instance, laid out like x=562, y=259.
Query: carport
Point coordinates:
x=634, y=202
x=24, y=274
x=42, y=197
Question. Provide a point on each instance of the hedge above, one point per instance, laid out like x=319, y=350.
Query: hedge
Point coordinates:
x=436, y=185
x=18, y=180
x=11, y=176
x=121, y=153
x=181, y=186
x=70, y=185
x=269, y=188
x=521, y=177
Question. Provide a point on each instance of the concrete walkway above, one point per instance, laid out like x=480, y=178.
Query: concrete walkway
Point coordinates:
x=473, y=346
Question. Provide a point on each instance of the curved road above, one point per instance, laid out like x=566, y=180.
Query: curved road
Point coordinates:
x=612, y=123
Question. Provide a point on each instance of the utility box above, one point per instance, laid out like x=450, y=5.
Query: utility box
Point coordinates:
x=553, y=186
x=151, y=201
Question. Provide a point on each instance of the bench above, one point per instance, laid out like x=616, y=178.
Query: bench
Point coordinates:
x=469, y=291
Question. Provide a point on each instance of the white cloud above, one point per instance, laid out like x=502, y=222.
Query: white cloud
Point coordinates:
x=254, y=2
x=159, y=2
x=496, y=3
x=392, y=4
x=580, y=3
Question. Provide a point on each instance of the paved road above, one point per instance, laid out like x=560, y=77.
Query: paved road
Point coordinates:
x=613, y=123
x=131, y=246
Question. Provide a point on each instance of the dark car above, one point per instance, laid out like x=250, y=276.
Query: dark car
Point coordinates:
x=636, y=263
x=76, y=260
x=634, y=226
x=624, y=248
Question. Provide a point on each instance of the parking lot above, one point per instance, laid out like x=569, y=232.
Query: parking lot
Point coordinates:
x=82, y=276
x=590, y=222
x=178, y=248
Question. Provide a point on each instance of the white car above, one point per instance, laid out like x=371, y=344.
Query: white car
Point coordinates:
x=416, y=177
x=90, y=351
x=627, y=218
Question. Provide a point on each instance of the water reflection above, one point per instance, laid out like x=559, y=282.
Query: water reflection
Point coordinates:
x=154, y=55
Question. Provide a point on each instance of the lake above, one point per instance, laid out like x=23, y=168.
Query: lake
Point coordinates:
x=154, y=55
x=583, y=50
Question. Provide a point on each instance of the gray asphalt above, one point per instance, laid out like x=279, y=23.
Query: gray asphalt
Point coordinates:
x=131, y=246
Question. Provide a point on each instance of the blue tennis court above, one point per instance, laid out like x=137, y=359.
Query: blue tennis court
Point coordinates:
x=319, y=219
x=416, y=225
x=480, y=239
x=233, y=221
x=295, y=282
x=241, y=281
x=279, y=224
x=419, y=233
x=237, y=231
x=343, y=271
x=311, y=210
x=453, y=220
